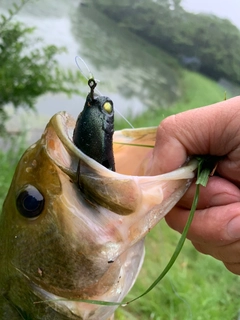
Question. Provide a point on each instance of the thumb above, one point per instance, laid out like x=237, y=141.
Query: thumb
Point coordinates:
x=196, y=132
x=169, y=152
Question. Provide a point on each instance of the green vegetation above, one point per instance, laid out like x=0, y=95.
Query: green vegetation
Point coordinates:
x=14, y=146
x=27, y=68
x=197, y=91
x=203, y=42
x=197, y=287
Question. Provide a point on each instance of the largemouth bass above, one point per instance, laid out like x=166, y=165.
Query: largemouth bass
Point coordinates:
x=72, y=229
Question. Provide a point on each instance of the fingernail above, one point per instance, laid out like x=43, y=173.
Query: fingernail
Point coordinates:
x=233, y=228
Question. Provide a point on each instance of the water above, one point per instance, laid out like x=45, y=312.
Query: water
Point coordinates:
x=135, y=75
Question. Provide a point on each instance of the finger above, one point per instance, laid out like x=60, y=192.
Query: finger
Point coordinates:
x=197, y=132
x=228, y=253
x=212, y=226
x=233, y=267
x=218, y=192
x=229, y=168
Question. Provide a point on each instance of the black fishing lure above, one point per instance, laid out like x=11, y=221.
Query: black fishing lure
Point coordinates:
x=93, y=133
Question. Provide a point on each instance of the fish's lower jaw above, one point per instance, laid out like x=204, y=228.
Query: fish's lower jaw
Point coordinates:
x=132, y=261
x=75, y=309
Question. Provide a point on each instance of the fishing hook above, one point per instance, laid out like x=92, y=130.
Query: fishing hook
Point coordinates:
x=92, y=85
x=91, y=80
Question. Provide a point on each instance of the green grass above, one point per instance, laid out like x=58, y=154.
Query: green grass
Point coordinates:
x=14, y=148
x=197, y=91
x=198, y=287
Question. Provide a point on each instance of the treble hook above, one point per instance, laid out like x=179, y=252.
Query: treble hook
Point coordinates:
x=92, y=85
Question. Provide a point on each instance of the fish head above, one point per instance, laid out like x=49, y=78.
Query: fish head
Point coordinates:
x=71, y=229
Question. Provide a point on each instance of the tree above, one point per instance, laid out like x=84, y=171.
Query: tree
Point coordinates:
x=28, y=71
x=212, y=42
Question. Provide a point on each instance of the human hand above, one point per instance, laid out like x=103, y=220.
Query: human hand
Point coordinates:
x=213, y=130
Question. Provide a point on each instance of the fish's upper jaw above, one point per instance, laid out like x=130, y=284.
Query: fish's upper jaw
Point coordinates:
x=57, y=139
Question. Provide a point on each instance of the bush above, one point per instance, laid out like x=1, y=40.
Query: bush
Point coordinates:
x=212, y=41
x=27, y=68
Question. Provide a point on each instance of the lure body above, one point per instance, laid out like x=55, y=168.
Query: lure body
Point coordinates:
x=94, y=129
x=60, y=243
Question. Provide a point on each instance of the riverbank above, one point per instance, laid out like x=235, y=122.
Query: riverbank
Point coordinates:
x=197, y=91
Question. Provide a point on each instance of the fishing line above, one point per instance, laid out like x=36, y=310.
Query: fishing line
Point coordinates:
x=90, y=76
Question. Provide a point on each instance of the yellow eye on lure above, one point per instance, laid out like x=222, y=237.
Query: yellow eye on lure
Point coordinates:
x=108, y=107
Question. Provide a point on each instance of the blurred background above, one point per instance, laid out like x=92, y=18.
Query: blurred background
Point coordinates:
x=140, y=51
x=153, y=58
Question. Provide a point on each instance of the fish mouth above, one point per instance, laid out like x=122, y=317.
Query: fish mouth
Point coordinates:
x=127, y=205
x=120, y=193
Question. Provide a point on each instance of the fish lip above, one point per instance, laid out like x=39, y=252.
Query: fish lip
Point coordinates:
x=39, y=289
x=72, y=307
x=56, y=302
x=62, y=125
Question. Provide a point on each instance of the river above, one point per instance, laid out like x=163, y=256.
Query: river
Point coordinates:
x=134, y=74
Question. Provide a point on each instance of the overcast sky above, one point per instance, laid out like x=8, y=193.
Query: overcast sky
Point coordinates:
x=229, y=9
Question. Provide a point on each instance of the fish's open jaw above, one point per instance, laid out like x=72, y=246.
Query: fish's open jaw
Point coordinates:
x=120, y=193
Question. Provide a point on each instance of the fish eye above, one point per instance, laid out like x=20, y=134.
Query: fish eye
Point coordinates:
x=30, y=202
x=108, y=107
